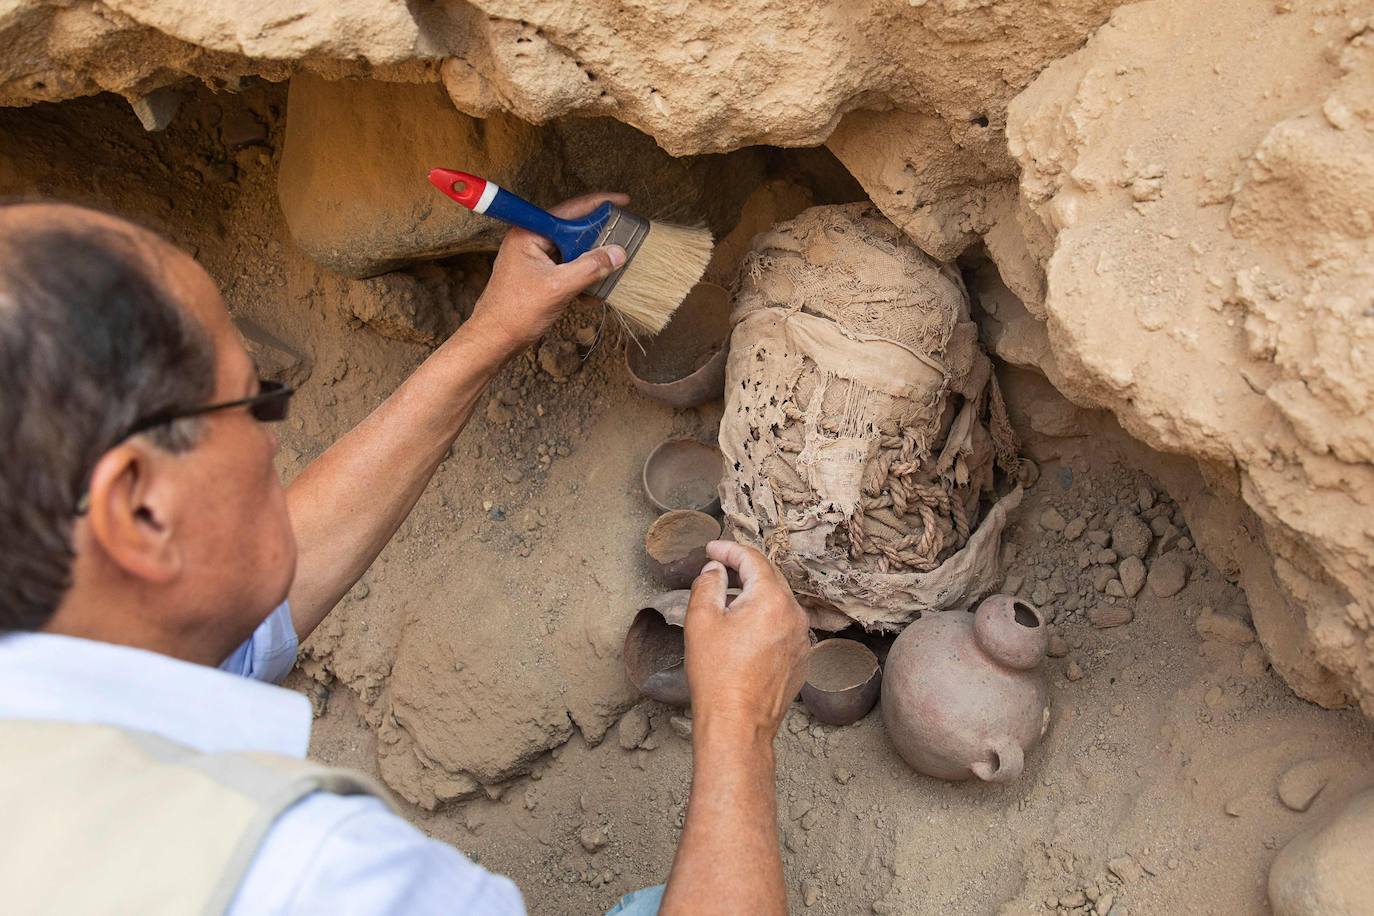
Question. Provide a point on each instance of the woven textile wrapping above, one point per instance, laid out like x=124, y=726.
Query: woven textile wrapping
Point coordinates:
x=862, y=422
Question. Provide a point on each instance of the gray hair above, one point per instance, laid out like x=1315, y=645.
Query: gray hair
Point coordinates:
x=90, y=343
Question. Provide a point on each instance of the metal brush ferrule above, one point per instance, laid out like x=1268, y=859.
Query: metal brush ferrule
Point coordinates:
x=626, y=230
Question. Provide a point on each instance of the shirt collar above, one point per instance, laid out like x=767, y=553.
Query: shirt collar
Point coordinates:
x=63, y=678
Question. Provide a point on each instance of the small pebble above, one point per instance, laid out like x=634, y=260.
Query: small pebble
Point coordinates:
x=1051, y=520
x=634, y=728
x=1074, y=671
x=1131, y=537
x=1126, y=868
x=1132, y=575
x=1223, y=628
x=592, y=838
x=1168, y=575
x=1105, y=618
x=1145, y=497
x=1301, y=784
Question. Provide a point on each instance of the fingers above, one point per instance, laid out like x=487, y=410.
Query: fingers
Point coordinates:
x=751, y=565
x=581, y=206
x=590, y=267
x=568, y=209
x=708, y=593
x=524, y=239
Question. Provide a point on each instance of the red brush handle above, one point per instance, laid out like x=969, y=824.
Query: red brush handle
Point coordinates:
x=462, y=187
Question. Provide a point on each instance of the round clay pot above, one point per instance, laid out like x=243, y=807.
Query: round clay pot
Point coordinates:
x=684, y=364
x=965, y=694
x=676, y=545
x=655, y=649
x=684, y=474
x=842, y=681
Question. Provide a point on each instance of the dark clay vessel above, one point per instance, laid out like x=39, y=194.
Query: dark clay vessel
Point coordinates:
x=676, y=545
x=684, y=364
x=965, y=694
x=655, y=648
x=842, y=681
x=684, y=473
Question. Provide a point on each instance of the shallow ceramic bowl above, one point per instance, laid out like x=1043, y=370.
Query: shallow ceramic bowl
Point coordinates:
x=842, y=681
x=684, y=474
x=655, y=648
x=676, y=545
x=684, y=364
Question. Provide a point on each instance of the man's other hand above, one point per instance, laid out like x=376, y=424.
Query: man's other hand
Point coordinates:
x=745, y=663
x=528, y=290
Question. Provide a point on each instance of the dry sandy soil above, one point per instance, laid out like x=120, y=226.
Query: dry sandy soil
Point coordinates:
x=1156, y=790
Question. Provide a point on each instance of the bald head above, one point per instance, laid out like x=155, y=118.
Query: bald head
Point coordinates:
x=183, y=281
x=101, y=324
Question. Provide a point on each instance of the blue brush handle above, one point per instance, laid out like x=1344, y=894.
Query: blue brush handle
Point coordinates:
x=572, y=236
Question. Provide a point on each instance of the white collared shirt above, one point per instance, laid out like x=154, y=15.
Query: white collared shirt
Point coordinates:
x=329, y=854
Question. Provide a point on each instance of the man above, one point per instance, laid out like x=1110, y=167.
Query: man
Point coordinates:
x=147, y=543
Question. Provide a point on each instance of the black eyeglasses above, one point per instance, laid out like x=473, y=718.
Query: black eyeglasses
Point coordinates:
x=269, y=405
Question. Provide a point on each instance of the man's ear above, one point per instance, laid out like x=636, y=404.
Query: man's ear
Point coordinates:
x=132, y=511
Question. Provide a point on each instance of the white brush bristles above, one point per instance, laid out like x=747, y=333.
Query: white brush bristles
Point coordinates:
x=667, y=265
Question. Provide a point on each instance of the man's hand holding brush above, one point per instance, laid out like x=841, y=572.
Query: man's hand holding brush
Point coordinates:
x=529, y=289
x=346, y=506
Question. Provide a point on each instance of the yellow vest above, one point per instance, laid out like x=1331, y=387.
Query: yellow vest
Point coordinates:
x=96, y=819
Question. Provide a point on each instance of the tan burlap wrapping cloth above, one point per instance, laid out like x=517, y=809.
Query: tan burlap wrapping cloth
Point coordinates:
x=862, y=421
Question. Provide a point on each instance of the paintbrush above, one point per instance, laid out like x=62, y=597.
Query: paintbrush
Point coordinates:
x=663, y=261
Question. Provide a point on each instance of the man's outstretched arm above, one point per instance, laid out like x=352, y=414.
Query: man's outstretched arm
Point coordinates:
x=745, y=665
x=346, y=506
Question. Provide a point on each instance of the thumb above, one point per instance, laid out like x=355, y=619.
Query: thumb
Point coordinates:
x=588, y=268
x=708, y=592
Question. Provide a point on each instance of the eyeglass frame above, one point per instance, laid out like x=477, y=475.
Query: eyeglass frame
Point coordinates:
x=270, y=392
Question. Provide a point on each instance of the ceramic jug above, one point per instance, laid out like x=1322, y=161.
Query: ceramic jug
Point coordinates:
x=965, y=694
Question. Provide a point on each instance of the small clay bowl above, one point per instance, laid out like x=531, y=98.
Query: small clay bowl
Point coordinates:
x=684, y=474
x=655, y=648
x=842, y=682
x=684, y=364
x=676, y=545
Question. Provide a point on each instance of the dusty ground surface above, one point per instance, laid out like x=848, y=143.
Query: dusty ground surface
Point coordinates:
x=1162, y=759
x=490, y=627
